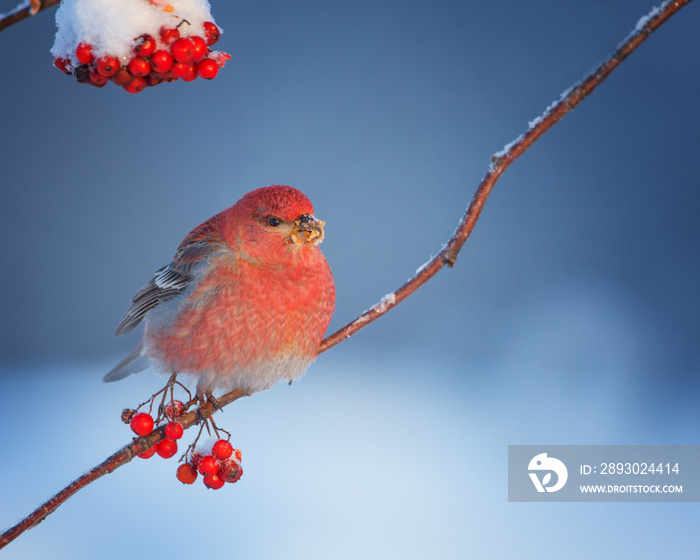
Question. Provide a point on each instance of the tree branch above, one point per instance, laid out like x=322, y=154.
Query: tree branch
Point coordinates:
x=500, y=162
x=21, y=12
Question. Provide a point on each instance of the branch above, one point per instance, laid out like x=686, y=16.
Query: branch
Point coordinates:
x=25, y=10
x=500, y=162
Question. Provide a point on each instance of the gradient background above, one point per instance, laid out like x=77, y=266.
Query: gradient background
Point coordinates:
x=570, y=317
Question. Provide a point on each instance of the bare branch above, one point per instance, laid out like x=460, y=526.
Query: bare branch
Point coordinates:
x=448, y=255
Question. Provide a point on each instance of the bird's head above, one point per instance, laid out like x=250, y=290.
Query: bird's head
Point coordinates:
x=274, y=218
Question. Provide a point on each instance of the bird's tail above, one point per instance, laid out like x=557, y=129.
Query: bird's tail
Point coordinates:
x=135, y=362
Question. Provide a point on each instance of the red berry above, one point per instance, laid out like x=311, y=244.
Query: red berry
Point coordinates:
x=155, y=78
x=139, y=67
x=166, y=448
x=173, y=431
x=63, y=64
x=211, y=32
x=168, y=34
x=148, y=453
x=191, y=72
x=83, y=53
x=161, y=61
x=137, y=85
x=107, y=65
x=144, y=45
x=221, y=58
x=123, y=77
x=237, y=454
x=208, y=465
x=181, y=69
x=222, y=449
x=174, y=409
x=186, y=473
x=213, y=482
x=195, y=459
x=97, y=79
x=199, y=48
x=142, y=423
x=182, y=49
x=230, y=470
x=207, y=69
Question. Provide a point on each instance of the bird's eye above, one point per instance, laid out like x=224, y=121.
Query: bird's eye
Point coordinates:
x=274, y=222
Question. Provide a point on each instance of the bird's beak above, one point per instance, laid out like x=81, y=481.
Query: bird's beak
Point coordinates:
x=307, y=230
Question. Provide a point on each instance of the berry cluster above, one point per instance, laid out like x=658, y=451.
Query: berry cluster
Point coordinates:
x=142, y=424
x=218, y=462
x=154, y=60
x=218, y=465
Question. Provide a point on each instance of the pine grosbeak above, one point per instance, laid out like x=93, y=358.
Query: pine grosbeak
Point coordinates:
x=245, y=301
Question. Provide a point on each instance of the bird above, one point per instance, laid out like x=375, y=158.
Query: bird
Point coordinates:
x=244, y=302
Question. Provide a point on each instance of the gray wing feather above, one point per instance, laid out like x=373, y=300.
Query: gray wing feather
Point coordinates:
x=165, y=284
x=133, y=363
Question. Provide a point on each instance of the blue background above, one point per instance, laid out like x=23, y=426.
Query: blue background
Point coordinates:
x=570, y=317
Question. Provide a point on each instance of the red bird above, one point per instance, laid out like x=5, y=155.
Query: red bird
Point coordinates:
x=245, y=301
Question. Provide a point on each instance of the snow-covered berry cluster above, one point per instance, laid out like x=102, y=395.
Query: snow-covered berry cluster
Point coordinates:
x=136, y=43
x=218, y=463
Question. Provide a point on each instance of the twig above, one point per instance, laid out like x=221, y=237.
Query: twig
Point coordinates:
x=500, y=162
x=33, y=7
x=120, y=458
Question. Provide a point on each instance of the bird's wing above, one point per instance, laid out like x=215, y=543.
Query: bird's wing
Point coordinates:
x=171, y=280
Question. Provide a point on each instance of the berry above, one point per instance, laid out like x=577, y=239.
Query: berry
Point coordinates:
x=123, y=77
x=144, y=45
x=230, y=471
x=222, y=449
x=208, y=465
x=181, y=69
x=199, y=50
x=207, y=69
x=174, y=409
x=182, y=49
x=82, y=73
x=148, y=453
x=186, y=473
x=139, y=67
x=213, y=482
x=221, y=58
x=137, y=85
x=142, y=424
x=237, y=455
x=161, y=61
x=168, y=35
x=195, y=459
x=107, y=65
x=63, y=64
x=155, y=78
x=173, y=431
x=97, y=79
x=191, y=72
x=211, y=32
x=83, y=53
x=166, y=448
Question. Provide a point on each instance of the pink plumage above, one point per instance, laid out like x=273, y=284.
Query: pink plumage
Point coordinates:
x=245, y=301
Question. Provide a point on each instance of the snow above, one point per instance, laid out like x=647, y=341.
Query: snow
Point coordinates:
x=110, y=26
x=19, y=7
x=644, y=19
